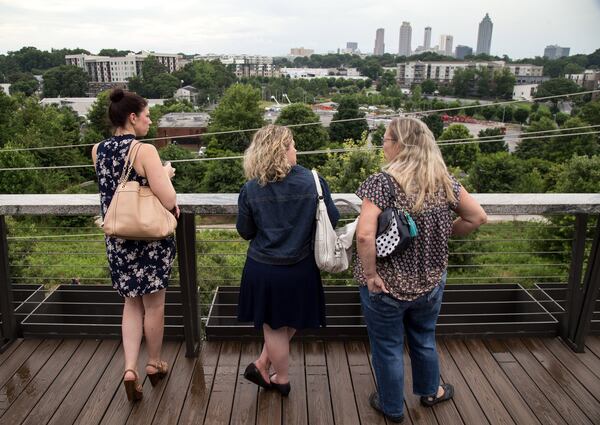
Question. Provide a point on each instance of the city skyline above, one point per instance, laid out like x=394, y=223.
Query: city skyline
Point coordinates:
x=271, y=28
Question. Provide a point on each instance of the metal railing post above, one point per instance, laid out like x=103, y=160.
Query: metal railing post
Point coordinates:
x=9, y=323
x=186, y=253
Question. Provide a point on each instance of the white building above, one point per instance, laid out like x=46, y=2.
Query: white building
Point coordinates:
x=308, y=73
x=188, y=93
x=5, y=88
x=82, y=105
x=404, y=45
x=105, y=69
x=245, y=65
x=524, y=91
x=446, y=44
x=301, y=51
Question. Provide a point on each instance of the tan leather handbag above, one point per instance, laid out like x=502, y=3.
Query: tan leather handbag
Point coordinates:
x=134, y=211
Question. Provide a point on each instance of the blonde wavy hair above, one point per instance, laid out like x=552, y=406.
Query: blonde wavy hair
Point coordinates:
x=418, y=167
x=266, y=158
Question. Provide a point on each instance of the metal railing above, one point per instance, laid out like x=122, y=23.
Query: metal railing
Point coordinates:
x=498, y=280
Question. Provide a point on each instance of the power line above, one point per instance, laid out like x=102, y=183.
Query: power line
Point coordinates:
x=470, y=140
x=217, y=133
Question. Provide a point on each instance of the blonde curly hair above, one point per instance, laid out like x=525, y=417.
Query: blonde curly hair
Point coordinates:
x=418, y=167
x=266, y=157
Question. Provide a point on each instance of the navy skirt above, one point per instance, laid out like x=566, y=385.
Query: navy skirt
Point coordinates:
x=282, y=295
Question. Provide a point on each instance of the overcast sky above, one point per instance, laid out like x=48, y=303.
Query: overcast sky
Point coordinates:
x=522, y=28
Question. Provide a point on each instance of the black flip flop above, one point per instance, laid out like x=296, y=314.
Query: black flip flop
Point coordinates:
x=253, y=375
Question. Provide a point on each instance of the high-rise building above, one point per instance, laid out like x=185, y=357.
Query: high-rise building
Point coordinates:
x=427, y=39
x=554, y=51
x=379, y=44
x=462, y=51
x=351, y=45
x=301, y=51
x=446, y=44
x=484, y=35
x=404, y=48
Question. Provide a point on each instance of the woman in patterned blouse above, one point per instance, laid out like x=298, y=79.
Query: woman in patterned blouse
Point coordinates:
x=402, y=293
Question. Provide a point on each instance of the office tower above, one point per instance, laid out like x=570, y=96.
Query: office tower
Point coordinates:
x=379, y=44
x=427, y=39
x=351, y=45
x=554, y=51
x=462, y=51
x=446, y=44
x=405, y=39
x=484, y=35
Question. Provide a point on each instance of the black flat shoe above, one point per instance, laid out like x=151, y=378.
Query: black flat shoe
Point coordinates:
x=284, y=389
x=253, y=375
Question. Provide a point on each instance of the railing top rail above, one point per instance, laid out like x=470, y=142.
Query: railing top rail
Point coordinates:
x=226, y=203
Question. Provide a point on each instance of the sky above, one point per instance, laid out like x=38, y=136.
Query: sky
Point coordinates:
x=522, y=28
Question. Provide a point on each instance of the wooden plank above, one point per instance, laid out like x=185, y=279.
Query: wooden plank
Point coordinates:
x=561, y=374
x=198, y=394
x=465, y=402
x=56, y=393
x=544, y=396
x=363, y=382
x=269, y=410
x=588, y=358
x=294, y=407
x=246, y=393
x=593, y=343
x=574, y=363
x=12, y=347
x=20, y=408
x=419, y=414
x=482, y=390
x=173, y=397
x=317, y=384
x=20, y=355
x=119, y=409
x=508, y=394
x=85, y=384
x=104, y=391
x=340, y=384
x=143, y=413
x=22, y=372
x=221, y=397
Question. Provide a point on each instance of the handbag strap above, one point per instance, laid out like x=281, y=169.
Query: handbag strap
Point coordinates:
x=318, y=184
x=129, y=160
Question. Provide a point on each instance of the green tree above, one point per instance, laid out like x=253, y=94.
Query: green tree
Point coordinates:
x=26, y=181
x=536, y=147
x=504, y=83
x=416, y=93
x=65, y=81
x=521, y=114
x=462, y=154
x=377, y=135
x=23, y=83
x=563, y=146
x=463, y=81
x=340, y=131
x=495, y=173
x=7, y=112
x=238, y=110
x=557, y=86
x=223, y=176
x=189, y=176
x=590, y=112
x=306, y=138
x=210, y=78
x=113, y=53
x=492, y=145
x=98, y=115
x=428, y=86
x=435, y=124
x=581, y=174
x=345, y=172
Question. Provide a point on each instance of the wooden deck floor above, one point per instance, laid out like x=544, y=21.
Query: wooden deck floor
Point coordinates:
x=523, y=381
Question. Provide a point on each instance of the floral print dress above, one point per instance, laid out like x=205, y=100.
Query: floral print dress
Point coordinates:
x=136, y=267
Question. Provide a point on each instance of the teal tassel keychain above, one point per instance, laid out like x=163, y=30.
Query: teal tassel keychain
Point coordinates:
x=412, y=227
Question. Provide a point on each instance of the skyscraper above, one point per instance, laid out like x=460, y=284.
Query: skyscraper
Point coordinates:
x=484, y=36
x=462, y=51
x=446, y=44
x=427, y=39
x=555, y=51
x=405, y=39
x=379, y=44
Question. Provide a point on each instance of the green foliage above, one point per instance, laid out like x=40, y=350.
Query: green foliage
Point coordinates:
x=345, y=172
x=155, y=81
x=590, y=112
x=521, y=114
x=238, y=110
x=377, y=135
x=459, y=155
x=428, y=86
x=210, y=78
x=489, y=146
x=340, y=131
x=306, y=138
x=557, y=86
x=504, y=82
x=113, y=53
x=536, y=147
x=98, y=115
x=170, y=105
x=18, y=181
x=23, y=83
x=189, y=175
x=65, y=81
x=581, y=174
x=226, y=176
x=435, y=124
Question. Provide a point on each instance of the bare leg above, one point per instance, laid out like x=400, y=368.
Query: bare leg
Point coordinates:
x=278, y=348
x=263, y=363
x=154, y=325
x=132, y=329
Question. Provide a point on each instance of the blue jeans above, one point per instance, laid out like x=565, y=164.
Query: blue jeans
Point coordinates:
x=387, y=320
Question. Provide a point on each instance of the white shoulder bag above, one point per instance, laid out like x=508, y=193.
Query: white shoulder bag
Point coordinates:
x=333, y=248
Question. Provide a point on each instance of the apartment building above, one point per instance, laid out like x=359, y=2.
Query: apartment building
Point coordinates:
x=245, y=65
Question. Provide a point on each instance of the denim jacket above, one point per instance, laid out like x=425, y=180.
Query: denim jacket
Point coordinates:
x=279, y=218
